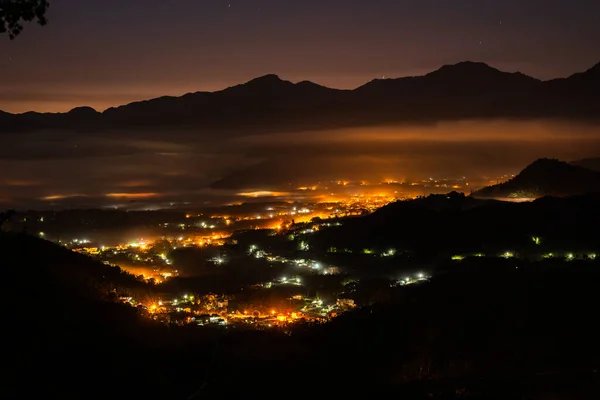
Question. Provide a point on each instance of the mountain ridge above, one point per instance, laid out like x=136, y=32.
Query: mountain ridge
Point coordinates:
x=452, y=92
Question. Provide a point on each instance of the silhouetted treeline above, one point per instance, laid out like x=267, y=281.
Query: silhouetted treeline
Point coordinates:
x=440, y=226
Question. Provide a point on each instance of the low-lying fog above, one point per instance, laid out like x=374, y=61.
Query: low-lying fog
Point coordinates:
x=154, y=169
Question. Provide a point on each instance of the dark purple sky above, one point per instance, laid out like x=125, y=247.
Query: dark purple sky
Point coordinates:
x=109, y=52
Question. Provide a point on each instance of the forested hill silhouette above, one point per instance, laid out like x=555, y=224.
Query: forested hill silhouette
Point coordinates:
x=44, y=267
x=60, y=322
x=458, y=224
x=463, y=90
x=546, y=177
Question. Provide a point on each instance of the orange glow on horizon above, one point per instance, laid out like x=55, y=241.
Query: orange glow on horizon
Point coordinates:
x=134, y=184
x=263, y=193
x=131, y=195
x=61, y=196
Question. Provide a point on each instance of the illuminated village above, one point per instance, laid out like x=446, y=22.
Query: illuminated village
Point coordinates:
x=289, y=293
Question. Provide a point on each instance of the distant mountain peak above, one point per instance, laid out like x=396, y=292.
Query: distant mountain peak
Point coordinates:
x=269, y=78
x=83, y=110
x=465, y=67
x=265, y=82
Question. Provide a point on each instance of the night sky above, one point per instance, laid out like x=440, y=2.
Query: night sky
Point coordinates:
x=110, y=52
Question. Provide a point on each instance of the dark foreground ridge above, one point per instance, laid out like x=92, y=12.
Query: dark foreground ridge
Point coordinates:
x=511, y=326
x=453, y=92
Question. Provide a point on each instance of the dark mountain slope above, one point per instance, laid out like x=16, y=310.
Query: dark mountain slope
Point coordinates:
x=428, y=228
x=546, y=177
x=66, y=340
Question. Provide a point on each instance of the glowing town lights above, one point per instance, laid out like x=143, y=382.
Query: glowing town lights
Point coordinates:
x=42, y=234
x=570, y=256
x=284, y=279
x=508, y=254
x=457, y=258
x=592, y=256
x=537, y=240
x=298, y=280
x=185, y=296
x=420, y=275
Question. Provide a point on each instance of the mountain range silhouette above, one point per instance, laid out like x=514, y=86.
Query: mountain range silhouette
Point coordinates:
x=453, y=92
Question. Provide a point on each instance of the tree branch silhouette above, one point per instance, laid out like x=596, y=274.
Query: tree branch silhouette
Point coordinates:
x=13, y=13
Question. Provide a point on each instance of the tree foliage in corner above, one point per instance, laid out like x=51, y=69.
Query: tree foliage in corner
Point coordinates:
x=14, y=12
